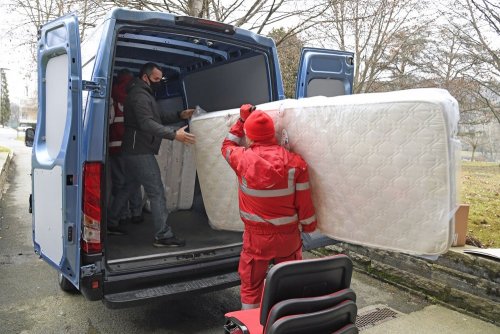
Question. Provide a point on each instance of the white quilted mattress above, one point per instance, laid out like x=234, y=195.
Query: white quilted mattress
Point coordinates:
x=177, y=166
x=383, y=166
x=178, y=173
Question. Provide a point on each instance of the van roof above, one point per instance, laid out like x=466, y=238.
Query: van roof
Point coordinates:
x=168, y=19
x=180, y=44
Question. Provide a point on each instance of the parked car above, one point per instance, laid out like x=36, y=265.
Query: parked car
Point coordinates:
x=25, y=125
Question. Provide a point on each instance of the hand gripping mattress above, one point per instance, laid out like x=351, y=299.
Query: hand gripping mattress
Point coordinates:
x=383, y=166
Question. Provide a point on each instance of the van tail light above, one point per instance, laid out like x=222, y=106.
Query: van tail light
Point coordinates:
x=92, y=208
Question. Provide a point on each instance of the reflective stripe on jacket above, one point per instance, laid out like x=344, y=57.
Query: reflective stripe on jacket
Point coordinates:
x=116, y=126
x=274, y=188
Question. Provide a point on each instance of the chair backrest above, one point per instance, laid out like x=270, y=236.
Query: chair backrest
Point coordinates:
x=307, y=305
x=305, y=278
x=326, y=321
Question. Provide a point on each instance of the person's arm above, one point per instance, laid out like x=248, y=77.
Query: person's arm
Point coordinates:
x=176, y=132
x=170, y=116
x=303, y=200
x=184, y=137
x=231, y=146
x=143, y=112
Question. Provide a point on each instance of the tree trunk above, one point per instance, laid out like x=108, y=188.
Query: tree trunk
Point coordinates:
x=196, y=8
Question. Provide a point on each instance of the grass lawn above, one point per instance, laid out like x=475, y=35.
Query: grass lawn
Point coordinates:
x=481, y=190
x=4, y=149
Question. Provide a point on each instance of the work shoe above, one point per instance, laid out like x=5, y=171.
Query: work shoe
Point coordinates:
x=146, y=207
x=116, y=230
x=123, y=221
x=137, y=219
x=169, y=242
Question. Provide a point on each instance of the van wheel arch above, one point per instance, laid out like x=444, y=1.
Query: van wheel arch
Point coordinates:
x=65, y=284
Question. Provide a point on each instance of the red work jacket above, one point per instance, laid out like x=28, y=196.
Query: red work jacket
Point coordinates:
x=116, y=126
x=274, y=190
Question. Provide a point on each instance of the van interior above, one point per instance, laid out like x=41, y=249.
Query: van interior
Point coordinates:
x=201, y=68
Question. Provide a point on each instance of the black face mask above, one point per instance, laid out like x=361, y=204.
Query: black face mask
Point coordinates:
x=155, y=86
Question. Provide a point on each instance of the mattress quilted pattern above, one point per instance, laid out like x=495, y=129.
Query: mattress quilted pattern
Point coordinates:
x=382, y=166
x=178, y=173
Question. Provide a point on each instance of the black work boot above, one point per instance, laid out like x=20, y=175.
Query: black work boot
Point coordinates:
x=116, y=230
x=169, y=242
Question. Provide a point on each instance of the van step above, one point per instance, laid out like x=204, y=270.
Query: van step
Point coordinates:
x=171, y=291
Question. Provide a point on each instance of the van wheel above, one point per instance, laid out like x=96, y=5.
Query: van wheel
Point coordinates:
x=65, y=284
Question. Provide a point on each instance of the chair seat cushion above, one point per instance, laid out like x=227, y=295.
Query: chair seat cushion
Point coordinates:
x=250, y=318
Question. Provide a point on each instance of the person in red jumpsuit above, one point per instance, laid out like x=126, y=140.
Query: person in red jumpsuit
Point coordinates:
x=274, y=199
x=117, y=163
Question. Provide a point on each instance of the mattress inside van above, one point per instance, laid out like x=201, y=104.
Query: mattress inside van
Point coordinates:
x=383, y=166
x=177, y=165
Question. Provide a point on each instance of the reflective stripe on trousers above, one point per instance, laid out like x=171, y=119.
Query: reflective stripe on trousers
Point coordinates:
x=274, y=221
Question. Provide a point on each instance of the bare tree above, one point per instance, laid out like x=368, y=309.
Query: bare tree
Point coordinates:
x=379, y=32
x=36, y=13
x=447, y=62
x=482, y=11
x=401, y=64
x=477, y=24
x=474, y=136
x=289, y=56
x=256, y=15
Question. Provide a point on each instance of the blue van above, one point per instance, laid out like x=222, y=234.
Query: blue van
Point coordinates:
x=207, y=63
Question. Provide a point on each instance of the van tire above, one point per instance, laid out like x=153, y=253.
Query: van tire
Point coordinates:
x=65, y=284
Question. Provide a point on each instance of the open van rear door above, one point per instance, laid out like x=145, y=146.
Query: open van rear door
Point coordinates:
x=56, y=166
x=323, y=72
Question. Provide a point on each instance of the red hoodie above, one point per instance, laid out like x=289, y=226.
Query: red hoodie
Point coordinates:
x=274, y=190
x=116, y=126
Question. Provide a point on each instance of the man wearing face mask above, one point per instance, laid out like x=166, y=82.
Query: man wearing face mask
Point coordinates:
x=145, y=127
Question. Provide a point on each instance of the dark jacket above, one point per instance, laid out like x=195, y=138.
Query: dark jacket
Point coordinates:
x=144, y=121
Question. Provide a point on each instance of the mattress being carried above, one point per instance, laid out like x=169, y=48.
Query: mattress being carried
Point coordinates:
x=383, y=166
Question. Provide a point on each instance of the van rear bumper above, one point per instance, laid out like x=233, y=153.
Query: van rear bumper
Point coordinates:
x=172, y=290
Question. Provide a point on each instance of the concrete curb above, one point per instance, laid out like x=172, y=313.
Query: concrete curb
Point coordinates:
x=5, y=164
x=460, y=281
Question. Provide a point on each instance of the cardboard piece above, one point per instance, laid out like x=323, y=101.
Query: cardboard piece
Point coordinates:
x=461, y=218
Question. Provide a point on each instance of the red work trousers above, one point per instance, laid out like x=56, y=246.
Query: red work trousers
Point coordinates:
x=260, y=248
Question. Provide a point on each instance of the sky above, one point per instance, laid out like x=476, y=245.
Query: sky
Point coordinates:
x=17, y=59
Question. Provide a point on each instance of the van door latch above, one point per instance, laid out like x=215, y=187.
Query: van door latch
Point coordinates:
x=90, y=270
x=96, y=88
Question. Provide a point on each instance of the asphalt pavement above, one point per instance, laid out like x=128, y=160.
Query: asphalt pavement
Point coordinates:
x=382, y=308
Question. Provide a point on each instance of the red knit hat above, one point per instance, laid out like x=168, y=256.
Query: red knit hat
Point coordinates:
x=259, y=126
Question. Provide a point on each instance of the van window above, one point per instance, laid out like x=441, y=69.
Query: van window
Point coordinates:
x=89, y=48
x=56, y=104
x=325, y=87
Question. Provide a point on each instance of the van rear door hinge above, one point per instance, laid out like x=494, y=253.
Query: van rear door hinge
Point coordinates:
x=96, y=88
x=90, y=270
